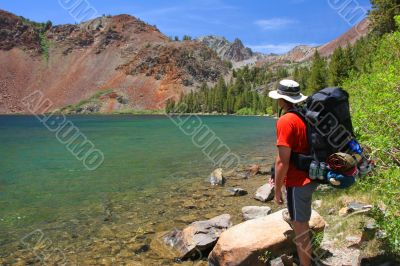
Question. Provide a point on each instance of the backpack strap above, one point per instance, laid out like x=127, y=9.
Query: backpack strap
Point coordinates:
x=303, y=161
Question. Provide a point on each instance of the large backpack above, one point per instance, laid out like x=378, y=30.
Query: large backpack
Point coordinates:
x=329, y=128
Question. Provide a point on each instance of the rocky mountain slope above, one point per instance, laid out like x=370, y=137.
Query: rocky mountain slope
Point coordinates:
x=127, y=62
x=235, y=51
x=241, y=56
x=71, y=63
x=304, y=53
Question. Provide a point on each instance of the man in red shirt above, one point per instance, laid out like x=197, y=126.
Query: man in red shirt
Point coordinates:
x=292, y=137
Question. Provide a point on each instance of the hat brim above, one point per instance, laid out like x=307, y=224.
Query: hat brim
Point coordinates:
x=293, y=99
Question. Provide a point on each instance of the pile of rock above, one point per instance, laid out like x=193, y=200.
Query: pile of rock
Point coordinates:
x=245, y=243
x=194, y=241
x=239, y=245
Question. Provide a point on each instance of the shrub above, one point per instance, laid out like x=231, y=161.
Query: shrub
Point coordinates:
x=375, y=102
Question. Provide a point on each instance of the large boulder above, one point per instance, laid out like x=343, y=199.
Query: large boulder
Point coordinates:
x=196, y=239
x=216, y=178
x=265, y=193
x=245, y=243
x=254, y=212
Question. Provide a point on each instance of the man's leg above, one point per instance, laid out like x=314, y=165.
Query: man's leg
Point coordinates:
x=303, y=242
x=299, y=206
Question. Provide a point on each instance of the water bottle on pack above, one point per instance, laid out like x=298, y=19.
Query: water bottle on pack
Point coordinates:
x=323, y=169
x=313, y=172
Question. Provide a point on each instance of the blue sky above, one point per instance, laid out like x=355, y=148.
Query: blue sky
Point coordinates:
x=264, y=25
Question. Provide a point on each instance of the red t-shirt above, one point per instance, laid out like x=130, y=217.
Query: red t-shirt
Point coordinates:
x=292, y=133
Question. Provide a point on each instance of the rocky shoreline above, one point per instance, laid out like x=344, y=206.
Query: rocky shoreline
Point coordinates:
x=244, y=243
x=198, y=223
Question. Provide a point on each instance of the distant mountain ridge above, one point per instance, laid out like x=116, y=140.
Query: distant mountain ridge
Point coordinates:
x=240, y=55
x=127, y=63
x=71, y=63
x=232, y=51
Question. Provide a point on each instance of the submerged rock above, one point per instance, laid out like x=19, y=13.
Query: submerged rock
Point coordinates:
x=253, y=169
x=196, y=239
x=242, y=175
x=237, y=191
x=216, y=178
x=264, y=170
x=265, y=193
x=254, y=212
x=245, y=243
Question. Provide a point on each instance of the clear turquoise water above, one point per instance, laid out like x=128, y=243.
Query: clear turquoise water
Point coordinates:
x=41, y=182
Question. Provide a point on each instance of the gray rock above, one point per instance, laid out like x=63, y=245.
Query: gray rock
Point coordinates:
x=198, y=237
x=254, y=212
x=283, y=260
x=369, y=230
x=265, y=193
x=353, y=241
x=242, y=175
x=277, y=262
x=357, y=206
x=237, y=191
x=216, y=178
x=264, y=171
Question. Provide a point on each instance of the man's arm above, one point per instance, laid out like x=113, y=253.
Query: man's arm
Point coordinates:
x=281, y=168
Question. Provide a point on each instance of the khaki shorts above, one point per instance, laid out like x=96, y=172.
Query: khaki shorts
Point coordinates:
x=299, y=201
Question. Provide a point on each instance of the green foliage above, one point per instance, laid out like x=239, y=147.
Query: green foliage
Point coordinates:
x=375, y=102
x=228, y=64
x=301, y=75
x=93, y=99
x=40, y=29
x=245, y=111
x=316, y=241
x=187, y=38
x=170, y=106
x=282, y=73
x=397, y=21
x=339, y=66
x=45, y=46
x=244, y=91
x=317, y=77
x=375, y=99
x=382, y=15
x=266, y=257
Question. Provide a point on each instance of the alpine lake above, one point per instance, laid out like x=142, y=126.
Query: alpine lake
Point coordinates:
x=154, y=178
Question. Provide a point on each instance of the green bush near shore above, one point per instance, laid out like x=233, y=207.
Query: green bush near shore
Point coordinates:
x=375, y=103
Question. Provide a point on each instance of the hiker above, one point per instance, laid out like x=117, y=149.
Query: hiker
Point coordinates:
x=292, y=137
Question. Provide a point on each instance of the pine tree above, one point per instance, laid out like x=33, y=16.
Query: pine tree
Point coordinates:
x=317, y=77
x=336, y=70
x=382, y=15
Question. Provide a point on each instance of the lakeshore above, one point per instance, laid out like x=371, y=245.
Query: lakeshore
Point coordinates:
x=150, y=173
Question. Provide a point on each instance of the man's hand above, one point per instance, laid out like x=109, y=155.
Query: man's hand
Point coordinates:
x=278, y=197
x=281, y=168
x=271, y=182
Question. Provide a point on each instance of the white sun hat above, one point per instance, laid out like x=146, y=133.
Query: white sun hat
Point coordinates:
x=288, y=90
